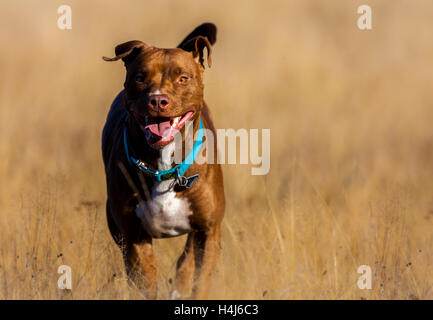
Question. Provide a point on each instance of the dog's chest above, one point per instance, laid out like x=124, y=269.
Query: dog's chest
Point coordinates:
x=164, y=215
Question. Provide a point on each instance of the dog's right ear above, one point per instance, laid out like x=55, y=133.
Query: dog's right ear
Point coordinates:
x=127, y=51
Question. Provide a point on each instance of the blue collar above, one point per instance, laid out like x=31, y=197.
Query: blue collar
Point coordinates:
x=177, y=172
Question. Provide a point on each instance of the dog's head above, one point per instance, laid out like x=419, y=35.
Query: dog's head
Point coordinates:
x=164, y=87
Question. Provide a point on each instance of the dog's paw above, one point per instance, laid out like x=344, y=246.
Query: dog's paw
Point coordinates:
x=175, y=295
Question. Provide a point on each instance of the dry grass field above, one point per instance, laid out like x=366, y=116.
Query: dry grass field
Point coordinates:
x=350, y=113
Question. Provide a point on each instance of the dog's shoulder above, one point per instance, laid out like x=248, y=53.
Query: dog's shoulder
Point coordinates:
x=111, y=133
x=208, y=117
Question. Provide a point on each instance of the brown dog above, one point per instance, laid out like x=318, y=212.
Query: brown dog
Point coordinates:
x=148, y=195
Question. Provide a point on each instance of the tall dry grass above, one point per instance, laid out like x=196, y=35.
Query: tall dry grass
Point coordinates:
x=350, y=113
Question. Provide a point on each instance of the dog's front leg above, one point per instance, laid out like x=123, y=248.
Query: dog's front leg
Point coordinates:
x=184, y=270
x=141, y=267
x=206, y=253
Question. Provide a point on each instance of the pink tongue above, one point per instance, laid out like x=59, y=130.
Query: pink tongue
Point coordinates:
x=163, y=130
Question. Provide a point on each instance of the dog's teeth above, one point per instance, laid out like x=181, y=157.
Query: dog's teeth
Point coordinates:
x=175, y=121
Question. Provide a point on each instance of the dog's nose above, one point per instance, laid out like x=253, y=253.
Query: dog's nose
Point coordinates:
x=159, y=102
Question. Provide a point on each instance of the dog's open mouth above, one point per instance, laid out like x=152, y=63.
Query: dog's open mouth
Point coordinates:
x=160, y=131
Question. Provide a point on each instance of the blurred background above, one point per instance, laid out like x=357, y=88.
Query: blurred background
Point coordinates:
x=350, y=113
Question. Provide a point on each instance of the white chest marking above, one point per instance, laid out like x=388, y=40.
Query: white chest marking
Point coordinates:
x=164, y=215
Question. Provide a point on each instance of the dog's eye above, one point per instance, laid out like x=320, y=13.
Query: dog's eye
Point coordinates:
x=183, y=79
x=139, y=78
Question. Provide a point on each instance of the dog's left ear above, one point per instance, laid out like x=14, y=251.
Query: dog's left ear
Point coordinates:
x=202, y=36
x=208, y=30
x=196, y=46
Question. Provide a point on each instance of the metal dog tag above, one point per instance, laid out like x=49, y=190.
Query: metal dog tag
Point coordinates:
x=187, y=182
x=191, y=180
x=184, y=181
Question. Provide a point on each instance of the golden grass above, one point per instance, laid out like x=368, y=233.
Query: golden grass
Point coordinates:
x=350, y=112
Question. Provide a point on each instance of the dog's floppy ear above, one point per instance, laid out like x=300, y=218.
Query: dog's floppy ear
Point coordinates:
x=127, y=51
x=202, y=36
x=208, y=30
x=196, y=46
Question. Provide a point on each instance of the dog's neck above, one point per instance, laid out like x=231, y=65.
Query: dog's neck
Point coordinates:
x=165, y=160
